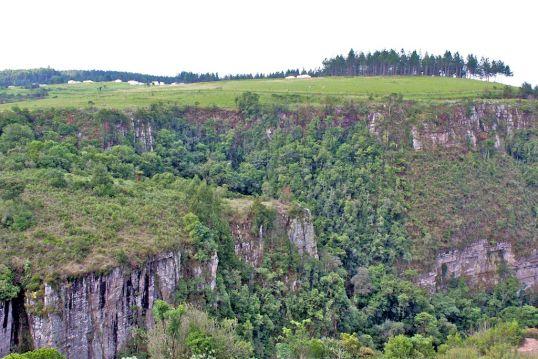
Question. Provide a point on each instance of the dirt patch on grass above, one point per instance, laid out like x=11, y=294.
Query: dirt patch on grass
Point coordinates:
x=529, y=347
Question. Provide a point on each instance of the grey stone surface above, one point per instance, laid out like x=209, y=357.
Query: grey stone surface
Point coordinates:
x=480, y=264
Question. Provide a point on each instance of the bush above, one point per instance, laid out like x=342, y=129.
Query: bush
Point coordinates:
x=504, y=333
x=43, y=353
x=399, y=347
x=497, y=342
x=14, y=135
x=11, y=188
x=15, y=215
x=102, y=182
x=526, y=316
x=248, y=104
x=186, y=332
x=402, y=347
x=262, y=216
x=7, y=289
x=201, y=237
x=56, y=178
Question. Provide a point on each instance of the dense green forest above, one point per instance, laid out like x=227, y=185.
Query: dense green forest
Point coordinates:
x=359, y=299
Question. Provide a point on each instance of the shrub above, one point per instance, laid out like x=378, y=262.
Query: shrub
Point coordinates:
x=186, y=332
x=14, y=135
x=497, y=342
x=526, y=316
x=402, y=347
x=11, y=188
x=7, y=289
x=102, y=182
x=248, y=104
x=56, y=178
x=262, y=216
x=200, y=343
x=201, y=236
x=43, y=353
x=399, y=347
x=504, y=333
x=15, y=215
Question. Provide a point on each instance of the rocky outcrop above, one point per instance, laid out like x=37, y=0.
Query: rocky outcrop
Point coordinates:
x=6, y=327
x=93, y=316
x=298, y=229
x=13, y=326
x=248, y=246
x=467, y=127
x=301, y=234
x=483, y=265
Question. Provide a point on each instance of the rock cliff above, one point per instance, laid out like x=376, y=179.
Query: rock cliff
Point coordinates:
x=483, y=265
x=93, y=316
x=250, y=245
x=452, y=125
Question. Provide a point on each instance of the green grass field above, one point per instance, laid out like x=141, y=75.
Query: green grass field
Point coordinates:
x=313, y=91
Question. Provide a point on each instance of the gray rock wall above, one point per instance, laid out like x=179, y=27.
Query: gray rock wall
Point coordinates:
x=466, y=128
x=6, y=327
x=299, y=231
x=92, y=317
x=301, y=234
x=481, y=263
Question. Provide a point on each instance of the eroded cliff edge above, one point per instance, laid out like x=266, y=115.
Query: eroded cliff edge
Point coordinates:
x=93, y=316
x=483, y=265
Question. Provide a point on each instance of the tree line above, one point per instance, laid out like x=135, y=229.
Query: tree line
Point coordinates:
x=391, y=62
x=31, y=77
x=377, y=63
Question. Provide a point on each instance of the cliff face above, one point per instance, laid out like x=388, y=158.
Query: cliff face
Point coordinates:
x=457, y=125
x=251, y=246
x=466, y=128
x=6, y=327
x=482, y=264
x=301, y=234
x=93, y=316
x=13, y=325
x=463, y=127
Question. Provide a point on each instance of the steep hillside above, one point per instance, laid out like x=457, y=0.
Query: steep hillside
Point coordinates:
x=366, y=218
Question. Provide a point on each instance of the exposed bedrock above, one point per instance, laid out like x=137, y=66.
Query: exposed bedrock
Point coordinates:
x=483, y=265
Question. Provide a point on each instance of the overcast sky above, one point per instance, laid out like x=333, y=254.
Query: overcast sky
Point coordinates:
x=236, y=36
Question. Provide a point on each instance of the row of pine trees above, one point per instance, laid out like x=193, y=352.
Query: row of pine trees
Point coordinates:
x=391, y=62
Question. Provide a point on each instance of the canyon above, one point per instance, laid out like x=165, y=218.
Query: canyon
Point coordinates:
x=93, y=316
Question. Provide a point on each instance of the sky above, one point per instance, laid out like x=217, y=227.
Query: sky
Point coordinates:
x=248, y=36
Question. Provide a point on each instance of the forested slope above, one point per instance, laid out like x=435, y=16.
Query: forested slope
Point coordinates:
x=322, y=220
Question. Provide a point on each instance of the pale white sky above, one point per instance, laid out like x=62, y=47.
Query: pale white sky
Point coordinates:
x=165, y=37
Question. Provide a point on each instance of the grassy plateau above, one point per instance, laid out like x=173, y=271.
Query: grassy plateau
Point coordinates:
x=314, y=91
